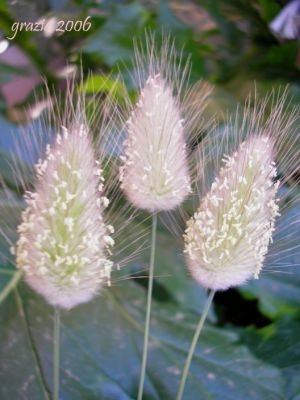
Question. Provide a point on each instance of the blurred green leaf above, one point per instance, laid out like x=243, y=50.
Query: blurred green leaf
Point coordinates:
x=275, y=56
x=10, y=216
x=13, y=172
x=113, y=42
x=192, y=50
x=101, y=83
x=268, y=9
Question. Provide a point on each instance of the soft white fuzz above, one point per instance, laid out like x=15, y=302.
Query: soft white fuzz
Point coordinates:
x=63, y=240
x=155, y=174
x=227, y=238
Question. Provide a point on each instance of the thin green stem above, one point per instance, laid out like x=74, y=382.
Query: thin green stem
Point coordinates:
x=56, y=355
x=32, y=346
x=11, y=285
x=193, y=345
x=148, y=313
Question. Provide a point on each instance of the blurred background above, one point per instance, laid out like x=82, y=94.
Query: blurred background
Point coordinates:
x=232, y=44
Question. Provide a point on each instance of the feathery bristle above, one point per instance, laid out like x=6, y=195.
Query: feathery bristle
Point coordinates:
x=227, y=239
x=64, y=243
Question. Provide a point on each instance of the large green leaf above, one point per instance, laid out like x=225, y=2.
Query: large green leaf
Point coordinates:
x=279, y=344
x=101, y=351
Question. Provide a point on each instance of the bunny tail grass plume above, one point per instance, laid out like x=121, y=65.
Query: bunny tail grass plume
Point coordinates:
x=227, y=238
x=155, y=171
x=155, y=175
x=64, y=243
x=61, y=249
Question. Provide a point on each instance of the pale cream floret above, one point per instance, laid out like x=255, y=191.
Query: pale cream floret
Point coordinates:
x=155, y=173
x=227, y=239
x=61, y=249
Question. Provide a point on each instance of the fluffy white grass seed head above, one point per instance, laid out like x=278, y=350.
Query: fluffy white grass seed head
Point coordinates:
x=64, y=243
x=227, y=238
x=155, y=172
x=155, y=175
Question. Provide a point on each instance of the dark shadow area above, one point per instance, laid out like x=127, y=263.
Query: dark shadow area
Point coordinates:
x=232, y=308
